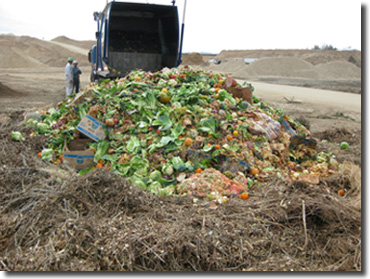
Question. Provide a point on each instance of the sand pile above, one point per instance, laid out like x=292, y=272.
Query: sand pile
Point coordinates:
x=82, y=44
x=338, y=70
x=28, y=52
x=288, y=67
x=313, y=56
x=283, y=66
x=293, y=64
x=5, y=91
x=194, y=58
x=232, y=65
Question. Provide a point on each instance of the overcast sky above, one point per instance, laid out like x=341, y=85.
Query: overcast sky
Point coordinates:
x=210, y=25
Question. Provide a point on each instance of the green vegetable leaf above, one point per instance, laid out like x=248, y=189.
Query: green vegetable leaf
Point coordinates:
x=163, y=120
x=166, y=140
x=133, y=145
x=42, y=128
x=101, y=150
x=178, y=163
x=47, y=154
x=207, y=148
x=155, y=175
x=82, y=109
x=17, y=136
x=177, y=130
x=208, y=126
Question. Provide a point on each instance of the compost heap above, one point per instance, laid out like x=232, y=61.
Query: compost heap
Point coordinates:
x=180, y=132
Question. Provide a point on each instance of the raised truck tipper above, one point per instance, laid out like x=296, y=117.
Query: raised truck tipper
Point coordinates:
x=135, y=36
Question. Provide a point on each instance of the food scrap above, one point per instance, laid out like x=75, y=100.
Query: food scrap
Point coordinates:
x=181, y=132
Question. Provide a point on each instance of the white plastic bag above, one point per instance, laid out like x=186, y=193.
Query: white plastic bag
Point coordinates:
x=264, y=124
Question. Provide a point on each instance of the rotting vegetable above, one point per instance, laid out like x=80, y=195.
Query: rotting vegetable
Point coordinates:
x=163, y=127
x=17, y=136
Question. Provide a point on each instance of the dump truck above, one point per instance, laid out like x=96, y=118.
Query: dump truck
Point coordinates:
x=135, y=36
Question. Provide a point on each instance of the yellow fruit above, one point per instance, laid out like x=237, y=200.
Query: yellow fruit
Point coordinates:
x=164, y=98
x=188, y=142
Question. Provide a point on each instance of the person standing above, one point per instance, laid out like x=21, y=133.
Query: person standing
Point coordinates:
x=69, y=76
x=76, y=77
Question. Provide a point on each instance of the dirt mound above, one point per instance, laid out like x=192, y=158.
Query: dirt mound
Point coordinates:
x=28, y=52
x=194, y=58
x=269, y=67
x=283, y=67
x=5, y=91
x=316, y=57
x=289, y=67
x=338, y=70
x=81, y=44
x=232, y=65
x=12, y=53
x=324, y=69
x=313, y=56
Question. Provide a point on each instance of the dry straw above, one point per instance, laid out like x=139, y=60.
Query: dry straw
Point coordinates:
x=63, y=221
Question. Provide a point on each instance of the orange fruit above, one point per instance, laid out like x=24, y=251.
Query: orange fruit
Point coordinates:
x=217, y=89
x=198, y=170
x=240, y=122
x=341, y=192
x=99, y=165
x=255, y=171
x=229, y=137
x=188, y=141
x=217, y=146
x=39, y=154
x=244, y=196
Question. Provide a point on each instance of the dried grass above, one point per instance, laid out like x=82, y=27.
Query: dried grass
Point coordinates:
x=98, y=222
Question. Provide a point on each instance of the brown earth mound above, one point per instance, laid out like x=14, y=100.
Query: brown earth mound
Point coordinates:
x=81, y=44
x=28, y=52
x=194, y=58
x=313, y=56
x=7, y=92
x=289, y=67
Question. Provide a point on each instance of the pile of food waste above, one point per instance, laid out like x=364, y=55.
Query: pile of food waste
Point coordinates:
x=181, y=132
